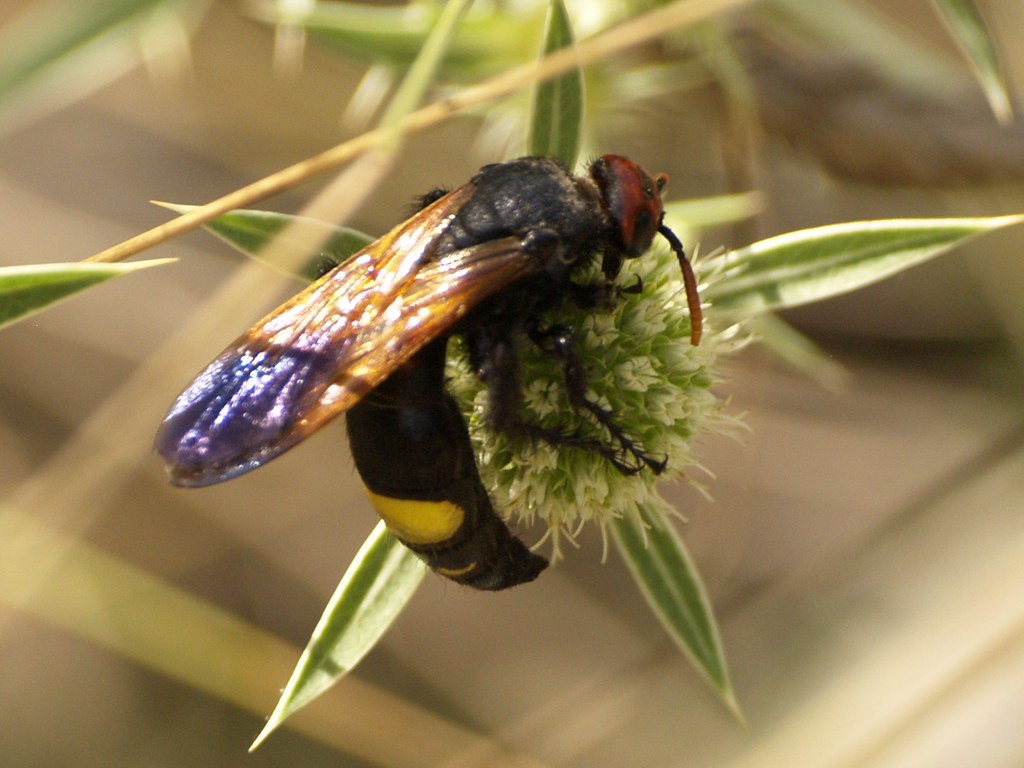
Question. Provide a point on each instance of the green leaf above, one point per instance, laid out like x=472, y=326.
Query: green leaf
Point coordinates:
x=381, y=579
x=668, y=579
x=25, y=290
x=815, y=264
x=797, y=350
x=249, y=231
x=424, y=68
x=490, y=37
x=864, y=34
x=558, y=103
x=702, y=212
x=968, y=27
x=60, y=50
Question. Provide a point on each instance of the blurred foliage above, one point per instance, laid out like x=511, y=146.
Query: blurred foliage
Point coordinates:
x=829, y=77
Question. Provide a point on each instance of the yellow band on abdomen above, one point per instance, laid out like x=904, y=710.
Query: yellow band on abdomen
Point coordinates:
x=418, y=522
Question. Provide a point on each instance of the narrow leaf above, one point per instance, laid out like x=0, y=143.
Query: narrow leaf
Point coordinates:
x=701, y=212
x=864, y=33
x=558, y=103
x=797, y=350
x=249, y=231
x=815, y=264
x=25, y=290
x=968, y=27
x=424, y=68
x=490, y=38
x=669, y=581
x=376, y=587
x=56, y=51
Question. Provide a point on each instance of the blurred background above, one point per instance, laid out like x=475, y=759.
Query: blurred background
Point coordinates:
x=864, y=547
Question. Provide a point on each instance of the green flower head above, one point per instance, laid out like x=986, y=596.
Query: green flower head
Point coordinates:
x=640, y=365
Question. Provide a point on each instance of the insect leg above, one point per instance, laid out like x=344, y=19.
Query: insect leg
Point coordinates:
x=560, y=341
x=603, y=295
x=494, y=360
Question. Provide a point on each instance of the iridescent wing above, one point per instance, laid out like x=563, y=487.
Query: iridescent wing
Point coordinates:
x=324, y=349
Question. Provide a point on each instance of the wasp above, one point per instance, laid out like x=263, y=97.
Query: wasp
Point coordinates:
x=487, y=261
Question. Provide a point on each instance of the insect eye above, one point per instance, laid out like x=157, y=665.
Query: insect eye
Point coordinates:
x=632, y=198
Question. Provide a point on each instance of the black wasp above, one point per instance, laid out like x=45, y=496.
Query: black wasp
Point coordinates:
x=486, y=261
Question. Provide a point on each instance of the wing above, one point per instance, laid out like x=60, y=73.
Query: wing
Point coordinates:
x=320, y=352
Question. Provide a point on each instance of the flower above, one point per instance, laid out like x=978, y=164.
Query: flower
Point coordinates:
x=641, y=366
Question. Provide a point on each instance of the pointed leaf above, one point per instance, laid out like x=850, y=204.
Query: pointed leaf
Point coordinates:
x=968, y=27
x=865, y=34
x=60, y=50
x=424, y=68
x=558, y=103
x=381, y=579
x=701, y=212
x=669, y=581
x=815, y=264
x=249, y=231
x=797, y=350
x=490, y=38
x=25, y=290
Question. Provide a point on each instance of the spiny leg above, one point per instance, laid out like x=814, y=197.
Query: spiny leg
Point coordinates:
x=494, y=361
x=560, y=341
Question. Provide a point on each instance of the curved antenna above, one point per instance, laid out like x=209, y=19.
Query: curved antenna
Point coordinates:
x=689, y=282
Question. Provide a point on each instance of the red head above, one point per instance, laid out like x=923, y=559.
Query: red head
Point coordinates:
x=632, y=200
